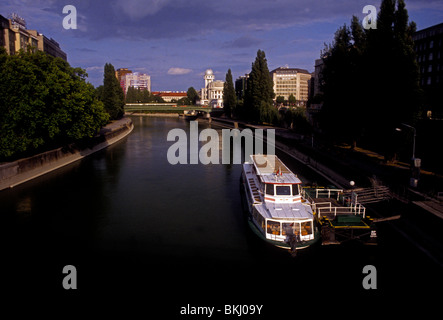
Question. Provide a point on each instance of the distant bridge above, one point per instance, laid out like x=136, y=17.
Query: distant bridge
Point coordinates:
x=163, y=107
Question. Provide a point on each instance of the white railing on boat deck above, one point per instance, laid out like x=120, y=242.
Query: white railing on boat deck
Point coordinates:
x=321, y=193
x=328, y=193
x=327, y=208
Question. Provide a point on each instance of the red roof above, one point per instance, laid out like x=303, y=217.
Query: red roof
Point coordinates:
x=170, y=94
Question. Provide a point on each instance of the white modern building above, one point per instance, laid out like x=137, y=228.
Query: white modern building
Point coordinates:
x=212, y=93
x=137, y=80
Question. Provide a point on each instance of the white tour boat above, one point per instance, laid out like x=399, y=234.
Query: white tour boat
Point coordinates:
x=277, y=211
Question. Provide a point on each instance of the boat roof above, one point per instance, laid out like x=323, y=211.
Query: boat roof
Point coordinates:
x=291, y=211
x=272, y=170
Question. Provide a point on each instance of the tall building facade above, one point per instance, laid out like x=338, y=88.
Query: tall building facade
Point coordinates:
x=212, y=93
x=15, y=36
x=137, y=80
x=293, y=81
x=48, y=45
x=428, y=45
x=119, y=74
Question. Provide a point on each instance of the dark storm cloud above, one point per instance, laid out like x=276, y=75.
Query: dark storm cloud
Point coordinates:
x=165, y=19
x=154, y=19
x=243, y=42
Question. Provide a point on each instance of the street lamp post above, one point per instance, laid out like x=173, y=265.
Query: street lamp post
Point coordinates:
x=413, y=141
x=416, y=163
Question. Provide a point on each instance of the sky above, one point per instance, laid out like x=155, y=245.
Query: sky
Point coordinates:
x=175, y=41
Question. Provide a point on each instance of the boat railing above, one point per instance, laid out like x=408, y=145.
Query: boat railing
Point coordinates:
x=316, y=193
x=316, y=205
x=327, y=210
x=306, y=195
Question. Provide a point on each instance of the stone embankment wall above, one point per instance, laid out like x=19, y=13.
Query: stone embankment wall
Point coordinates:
x=17, y=172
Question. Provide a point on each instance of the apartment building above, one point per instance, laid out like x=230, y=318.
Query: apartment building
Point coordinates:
x=293, y=81
x=15, y=36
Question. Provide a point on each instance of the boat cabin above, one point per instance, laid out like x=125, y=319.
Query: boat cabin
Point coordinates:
x=277, y=182
x=277, y=207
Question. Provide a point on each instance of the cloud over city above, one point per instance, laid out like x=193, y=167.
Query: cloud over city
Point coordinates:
x=160, y=35
x=179, y=71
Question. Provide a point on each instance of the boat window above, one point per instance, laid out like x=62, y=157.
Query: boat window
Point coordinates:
x=290, y=228
x=270, y=189
x=273, y=227
x=306, y=228
x=261, y=221
x=283, y=190
x=295, y=190
x=297, y=228
x=287, y=228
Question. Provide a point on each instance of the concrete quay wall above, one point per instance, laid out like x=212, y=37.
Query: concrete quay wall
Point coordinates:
x=20, y=171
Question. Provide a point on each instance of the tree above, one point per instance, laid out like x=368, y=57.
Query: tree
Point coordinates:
x=371, y=80
x=145, y=96
x=184, y=101
x=340, y=111
x=157, y=99
x=291, y=100
x=192, y=95
x=395, y=97
x=280, y=100
x=297, y=120
x=259, y=95
x=113, y=96
x=229, y=97
x=44, y=103
x=131, y=95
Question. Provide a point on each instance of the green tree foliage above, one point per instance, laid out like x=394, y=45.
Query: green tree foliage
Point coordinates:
x=371, y=79
x=192, y=95
x=341, y=111
x=113, y=96
x=185, y=101
x=280, y=100
x=137, y=95
x=229, y=97
x=44, y=101
x=258, y=103
x=132, y=95
x=296, y=118
x=292, y=100
x=157, y=99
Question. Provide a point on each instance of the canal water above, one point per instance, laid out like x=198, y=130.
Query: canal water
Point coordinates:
x=137, y=228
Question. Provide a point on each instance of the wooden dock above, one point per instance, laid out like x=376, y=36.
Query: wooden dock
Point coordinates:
x=341, y=218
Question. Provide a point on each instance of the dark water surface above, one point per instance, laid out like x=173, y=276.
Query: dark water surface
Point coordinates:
x=147, y=235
